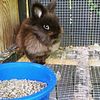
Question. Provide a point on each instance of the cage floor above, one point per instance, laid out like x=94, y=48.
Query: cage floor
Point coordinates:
x=65, y=88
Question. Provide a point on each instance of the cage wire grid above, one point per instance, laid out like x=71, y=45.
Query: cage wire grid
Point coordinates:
x=65, y=88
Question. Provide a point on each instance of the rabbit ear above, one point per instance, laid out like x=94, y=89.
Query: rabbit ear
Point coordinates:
x=51, y=7
x=38, y=10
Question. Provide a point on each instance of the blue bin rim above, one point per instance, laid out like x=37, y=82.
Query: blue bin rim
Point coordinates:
x=44, y=91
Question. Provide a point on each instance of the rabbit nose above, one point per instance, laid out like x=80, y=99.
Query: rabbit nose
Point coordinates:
x=50, y=33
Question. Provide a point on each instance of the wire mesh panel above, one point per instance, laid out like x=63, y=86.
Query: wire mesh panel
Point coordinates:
x=80, y=20
x=85, y=22
x=65, y=89
x=95, y=78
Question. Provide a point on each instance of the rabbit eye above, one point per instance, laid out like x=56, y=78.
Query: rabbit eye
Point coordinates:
x=46, y=27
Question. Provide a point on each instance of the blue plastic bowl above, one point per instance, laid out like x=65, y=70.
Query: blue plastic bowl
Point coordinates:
x=31, y=71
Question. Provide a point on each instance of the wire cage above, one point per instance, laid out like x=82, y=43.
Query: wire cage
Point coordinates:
x=80, y=20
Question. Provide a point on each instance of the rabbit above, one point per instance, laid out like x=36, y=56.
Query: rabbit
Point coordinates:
x=39, y=32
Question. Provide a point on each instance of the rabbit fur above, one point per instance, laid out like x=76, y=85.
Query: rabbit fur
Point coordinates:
x=38, y=33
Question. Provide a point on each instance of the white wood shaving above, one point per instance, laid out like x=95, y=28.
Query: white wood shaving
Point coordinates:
x=18, y=88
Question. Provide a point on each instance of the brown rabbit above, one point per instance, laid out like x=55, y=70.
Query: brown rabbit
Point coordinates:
x=39, y=33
